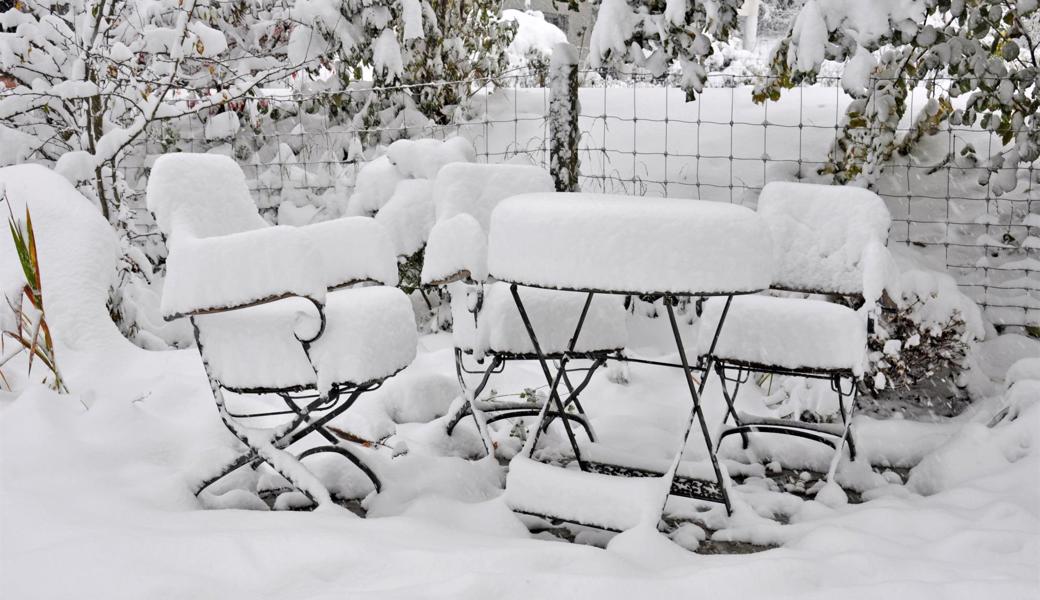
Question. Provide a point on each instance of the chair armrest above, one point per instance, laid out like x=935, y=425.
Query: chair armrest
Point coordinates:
x=456, y=250
x=205, y=275
x=353, y=250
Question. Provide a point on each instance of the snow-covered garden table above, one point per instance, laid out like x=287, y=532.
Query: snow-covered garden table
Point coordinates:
x=606, y=244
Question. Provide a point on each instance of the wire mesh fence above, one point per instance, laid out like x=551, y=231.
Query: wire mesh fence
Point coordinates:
x=641, y=137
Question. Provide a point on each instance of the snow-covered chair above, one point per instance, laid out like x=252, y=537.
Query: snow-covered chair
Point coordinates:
x=266, y=319
x=829, y=241
x=486, y=323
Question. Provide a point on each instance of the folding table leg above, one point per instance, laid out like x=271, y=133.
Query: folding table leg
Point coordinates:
x=552, y=380
x=696, y=414
x=731, y=410
x=846, y=413
x=469, y=398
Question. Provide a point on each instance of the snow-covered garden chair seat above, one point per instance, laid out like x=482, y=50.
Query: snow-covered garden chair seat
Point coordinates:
x=486, y=323
x=273, y=311
x=829, y=241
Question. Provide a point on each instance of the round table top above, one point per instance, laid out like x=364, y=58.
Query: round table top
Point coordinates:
x=629, y=245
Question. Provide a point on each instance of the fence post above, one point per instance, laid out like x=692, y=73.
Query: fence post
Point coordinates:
x=563, y=117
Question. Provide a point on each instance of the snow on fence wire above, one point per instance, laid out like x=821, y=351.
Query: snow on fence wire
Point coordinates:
x=641, y=137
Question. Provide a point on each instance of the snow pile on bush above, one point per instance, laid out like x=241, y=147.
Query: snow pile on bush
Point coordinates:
x=533, y=42
x=77, y=252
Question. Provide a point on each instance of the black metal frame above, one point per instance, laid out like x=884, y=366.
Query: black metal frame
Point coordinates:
x=712, y=491
x=836, y=438
x=474, y=407
x=276, y=449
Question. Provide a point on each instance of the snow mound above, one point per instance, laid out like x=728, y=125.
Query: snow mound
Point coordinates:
x=822, y=233
x=374, y=186
x=629, y=244
x=785, y=332
x=422, y=159
x=408, y=215
x=370, y=334
x=77, y=251
x=619, y=503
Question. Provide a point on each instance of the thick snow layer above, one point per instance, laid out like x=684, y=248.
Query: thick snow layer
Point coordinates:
x=477, y=188
x=353, y=249
x=821, y=234
x=408, y=215
x=369, y=334
x=554, y=315
x=456, y=245
x=200, y=195
x=629, y=244
x=422, y=159
x=615, y=502
x=374, y=186
x=240, y=269
x=223, y=254
x=77, y=252
x=785, y=332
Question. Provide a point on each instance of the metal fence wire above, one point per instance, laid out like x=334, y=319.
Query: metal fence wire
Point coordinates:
x=641, y=137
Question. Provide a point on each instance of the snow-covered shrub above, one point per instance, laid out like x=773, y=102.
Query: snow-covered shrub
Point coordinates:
x=984, y=48
x=652, y=35
x=531, y=48
x=926, y=336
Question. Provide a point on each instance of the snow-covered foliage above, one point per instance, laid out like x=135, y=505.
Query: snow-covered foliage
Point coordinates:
x=653, y=35
x=985, y=52
x=532, y=45
x=92, y=76
x=405, y=43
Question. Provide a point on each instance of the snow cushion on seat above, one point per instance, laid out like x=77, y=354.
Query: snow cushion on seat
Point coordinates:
x=353, y=249
x=629, y=244
x=792, y=333
x=457, y=246
x=617, y=503
x=553, y=313
x=200, y=195
x=476, y=189
x=822, y=233
x=370, y=334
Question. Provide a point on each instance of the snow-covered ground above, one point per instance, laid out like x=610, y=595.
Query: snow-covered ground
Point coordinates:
x=95, y=485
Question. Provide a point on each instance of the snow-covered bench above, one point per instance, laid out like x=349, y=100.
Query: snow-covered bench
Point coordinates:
x=606, y=245
x=828, y=240
x=486, y=322
x=273, y=308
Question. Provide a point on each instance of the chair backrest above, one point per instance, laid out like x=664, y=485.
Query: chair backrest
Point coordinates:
x=822, y=235
x=200, y=196
x=476, y=189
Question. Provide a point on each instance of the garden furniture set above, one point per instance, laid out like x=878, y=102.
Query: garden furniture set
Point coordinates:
x=310, y=314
